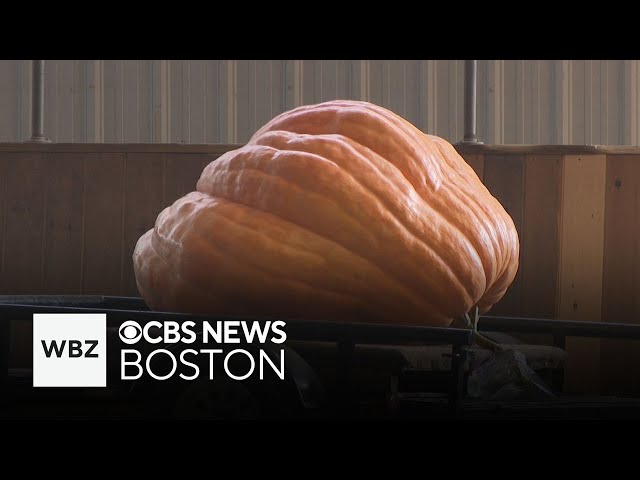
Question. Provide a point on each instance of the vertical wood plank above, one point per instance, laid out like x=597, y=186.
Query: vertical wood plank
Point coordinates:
x=63, y=224
x=540, y=237
x=477, y=163
x=144, y=183
x=581, y=263
x=24, y=223
x=182, y=172
x=620, y=360
x=504, y=177
x=103, y=223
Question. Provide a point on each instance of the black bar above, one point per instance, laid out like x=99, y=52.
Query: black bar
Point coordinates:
x=5, y=345
x=346, y=350
x=456, y=392
x=567, y=328
x=296, y=329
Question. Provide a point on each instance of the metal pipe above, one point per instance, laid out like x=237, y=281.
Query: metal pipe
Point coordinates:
x=37, y=103
x=470, y=87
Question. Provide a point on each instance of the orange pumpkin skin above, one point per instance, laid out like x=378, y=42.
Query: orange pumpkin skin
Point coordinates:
x=341, y=211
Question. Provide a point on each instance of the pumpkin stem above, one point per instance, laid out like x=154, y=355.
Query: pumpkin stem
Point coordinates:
x=480, y=339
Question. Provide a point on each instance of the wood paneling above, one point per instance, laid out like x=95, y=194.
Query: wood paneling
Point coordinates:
x=104, y=180
x=143, y=201
x=581, y=262
x=70, y=216
x=540, y=235
x=24, y=239
x=504, y=177
x=63, y=224
x=621, y=276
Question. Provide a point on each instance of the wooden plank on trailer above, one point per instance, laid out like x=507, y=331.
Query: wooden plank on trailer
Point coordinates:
x=63, y=224
x=103, y=219
x=143, y=201
x=581, y=263
x=504, y=177
x=621, y=280
x=540, y=238
x=24, y=237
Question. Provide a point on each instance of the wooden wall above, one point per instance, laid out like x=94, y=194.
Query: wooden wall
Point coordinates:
x=70, y=215
x=577, y=210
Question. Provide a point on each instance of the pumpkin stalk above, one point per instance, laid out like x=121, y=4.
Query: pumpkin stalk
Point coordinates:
x=481, y=340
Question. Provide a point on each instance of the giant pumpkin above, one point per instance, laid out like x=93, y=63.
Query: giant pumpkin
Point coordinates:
x=341, y=211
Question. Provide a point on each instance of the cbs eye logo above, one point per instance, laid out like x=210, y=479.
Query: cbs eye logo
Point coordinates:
x=130, y=332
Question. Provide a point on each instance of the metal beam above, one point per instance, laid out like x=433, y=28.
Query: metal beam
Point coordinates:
x=470, y=88
x=37, y=103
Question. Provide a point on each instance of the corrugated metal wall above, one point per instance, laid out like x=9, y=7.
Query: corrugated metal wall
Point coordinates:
x=538, y=102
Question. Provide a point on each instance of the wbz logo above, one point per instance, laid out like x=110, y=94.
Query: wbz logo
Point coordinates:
x=69, y=350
